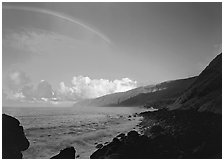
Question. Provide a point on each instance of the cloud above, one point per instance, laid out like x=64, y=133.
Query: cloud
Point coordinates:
x=84, y=87
x=66, y=93
x=44, y=90
x=28, y=92
x=20, y=88
x=15, y=80
x=81, y=88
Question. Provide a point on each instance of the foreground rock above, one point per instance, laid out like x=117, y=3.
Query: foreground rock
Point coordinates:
x=67, y=153
x=13, y=138
x=195, y=134
x=169, y=135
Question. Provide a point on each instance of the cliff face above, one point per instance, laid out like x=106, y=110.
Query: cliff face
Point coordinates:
x=205, y=94
x=13, y=138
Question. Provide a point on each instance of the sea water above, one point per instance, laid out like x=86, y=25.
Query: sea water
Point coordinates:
x=50, y=129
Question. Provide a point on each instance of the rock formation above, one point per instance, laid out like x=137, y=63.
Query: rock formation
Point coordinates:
x=13, y=138
x=67, y=153
x=174, y=134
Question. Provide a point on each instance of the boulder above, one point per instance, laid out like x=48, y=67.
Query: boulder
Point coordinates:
x=13, y=138
x=67, y=153
x=133, y=134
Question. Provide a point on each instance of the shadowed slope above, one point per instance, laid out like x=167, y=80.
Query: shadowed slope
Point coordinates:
x=205, y=94
x=152, y=95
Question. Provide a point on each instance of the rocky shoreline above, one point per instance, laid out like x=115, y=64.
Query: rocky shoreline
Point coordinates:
x=179, y=134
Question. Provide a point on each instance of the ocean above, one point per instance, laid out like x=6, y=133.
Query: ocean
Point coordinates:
x=50, y=129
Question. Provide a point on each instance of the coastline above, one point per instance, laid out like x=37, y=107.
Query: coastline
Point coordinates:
x=179, y=134
x=84, y=143
x=162, y=134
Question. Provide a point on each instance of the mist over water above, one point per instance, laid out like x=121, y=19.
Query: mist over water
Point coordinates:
x=50, y=129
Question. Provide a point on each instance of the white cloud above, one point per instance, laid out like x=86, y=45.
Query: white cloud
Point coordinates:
x=84, y=87
x=44, y=90
x=16, y=80
x=20, y=90
x=80, y=88
x=66, y=93
x=15, y=96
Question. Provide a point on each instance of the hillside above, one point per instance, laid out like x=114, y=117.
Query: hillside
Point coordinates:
x=205, y=94
x=152, y=95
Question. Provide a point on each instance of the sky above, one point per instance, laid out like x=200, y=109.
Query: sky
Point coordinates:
x=54, y=52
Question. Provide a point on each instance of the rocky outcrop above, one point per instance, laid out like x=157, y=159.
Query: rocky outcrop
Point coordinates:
x=205, y=94
x=67, y=153
x=169, y=135
x=13, y=138
x=122, y=147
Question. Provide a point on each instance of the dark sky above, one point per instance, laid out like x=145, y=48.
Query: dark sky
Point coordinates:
x=144, y=42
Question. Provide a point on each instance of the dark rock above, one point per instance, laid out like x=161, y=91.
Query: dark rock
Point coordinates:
x=67, y=153
x=173, y=135
x=120, y=136
x=98, y=146
x=115, y=140
x=135, y=115
x=205, y=93
x=13, y=138
x=156, y=130
x=133, y=134
x=126, y=147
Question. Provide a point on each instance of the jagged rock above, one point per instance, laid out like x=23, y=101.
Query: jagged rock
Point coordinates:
x=13, y=138
x=67, y=153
